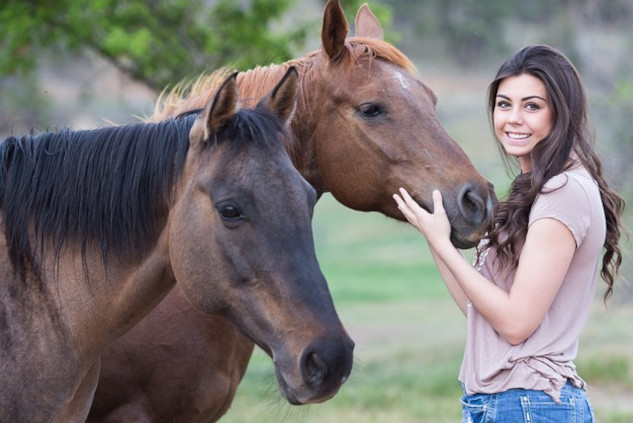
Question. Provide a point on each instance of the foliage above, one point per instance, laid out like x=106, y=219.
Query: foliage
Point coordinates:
x=158, y=42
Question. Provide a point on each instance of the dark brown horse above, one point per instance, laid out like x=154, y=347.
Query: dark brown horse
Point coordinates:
x=99, y=225
x=365, y=125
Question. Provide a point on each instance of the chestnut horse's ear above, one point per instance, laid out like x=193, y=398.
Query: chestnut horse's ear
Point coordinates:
x=217, y=112
x=334, y=30
x=367, y=24
x=282, y=99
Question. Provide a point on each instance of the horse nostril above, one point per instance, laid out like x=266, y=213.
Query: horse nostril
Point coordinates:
x=471, y=204
x=315, y=370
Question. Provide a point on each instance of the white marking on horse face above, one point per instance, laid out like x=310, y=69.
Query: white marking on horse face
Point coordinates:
x=403, y=83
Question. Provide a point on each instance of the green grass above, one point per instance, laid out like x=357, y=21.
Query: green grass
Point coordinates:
x=366, y=257
x=410, y=335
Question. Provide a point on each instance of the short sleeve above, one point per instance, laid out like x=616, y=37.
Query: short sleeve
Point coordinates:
x=564, y=199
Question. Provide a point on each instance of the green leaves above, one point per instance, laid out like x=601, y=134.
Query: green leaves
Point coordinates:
x=159, y=42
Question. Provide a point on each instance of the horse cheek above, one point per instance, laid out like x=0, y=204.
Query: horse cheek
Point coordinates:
x=190, y=253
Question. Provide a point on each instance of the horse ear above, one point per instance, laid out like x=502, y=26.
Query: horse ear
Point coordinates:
x=283, y=98
x=334, y=30
x=217, y=112
x=367, y=25
x=224, y=104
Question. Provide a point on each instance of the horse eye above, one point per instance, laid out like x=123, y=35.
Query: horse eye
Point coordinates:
x=370, y=110
x=230, y=212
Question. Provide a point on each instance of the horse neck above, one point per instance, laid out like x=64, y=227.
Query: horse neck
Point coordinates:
x=73, y=223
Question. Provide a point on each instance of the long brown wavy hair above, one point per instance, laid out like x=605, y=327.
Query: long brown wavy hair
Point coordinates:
x=570, y=134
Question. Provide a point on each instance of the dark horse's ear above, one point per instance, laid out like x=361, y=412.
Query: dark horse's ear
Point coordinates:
x=224, y=104
x=282, y=99
x=367, y=25
x=334, y=31
x=218, y=111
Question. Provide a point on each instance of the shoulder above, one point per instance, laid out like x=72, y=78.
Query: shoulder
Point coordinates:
x=575, y=188
x=568, y=197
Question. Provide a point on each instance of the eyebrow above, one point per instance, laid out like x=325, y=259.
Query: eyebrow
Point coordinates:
x=530, y=97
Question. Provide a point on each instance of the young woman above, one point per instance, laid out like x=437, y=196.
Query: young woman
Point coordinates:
x=530, y=291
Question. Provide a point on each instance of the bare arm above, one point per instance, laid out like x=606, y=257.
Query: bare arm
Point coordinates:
x=515, y=315
x=456, y=291
x=451, y=283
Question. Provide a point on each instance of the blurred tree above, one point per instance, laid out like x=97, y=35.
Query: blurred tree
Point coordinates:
x=20, y=103
x=472, y=28
x=158, y=42
x=465, y=30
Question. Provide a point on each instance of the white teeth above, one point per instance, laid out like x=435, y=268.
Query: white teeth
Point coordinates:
x=517, y=136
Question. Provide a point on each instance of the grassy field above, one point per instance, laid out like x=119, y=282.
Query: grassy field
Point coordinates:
x=409, y=335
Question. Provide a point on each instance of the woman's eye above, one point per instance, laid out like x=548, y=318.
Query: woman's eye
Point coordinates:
x=230, y=212
x=503, y=104
x=532, y=107
x=370, y=110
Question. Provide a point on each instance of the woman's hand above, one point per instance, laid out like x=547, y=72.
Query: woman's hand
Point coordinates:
x=434, y=226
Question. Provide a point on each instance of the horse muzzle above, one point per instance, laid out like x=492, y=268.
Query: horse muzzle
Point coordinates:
x=471, y=214
x=322, y=369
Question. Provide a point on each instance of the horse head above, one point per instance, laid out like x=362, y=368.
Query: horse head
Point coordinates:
x=378, y=130
x=241, y=241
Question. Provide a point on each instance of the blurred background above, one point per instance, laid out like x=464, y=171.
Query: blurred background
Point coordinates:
x=85, y=64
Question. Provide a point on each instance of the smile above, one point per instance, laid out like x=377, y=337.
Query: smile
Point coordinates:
x=516, y=136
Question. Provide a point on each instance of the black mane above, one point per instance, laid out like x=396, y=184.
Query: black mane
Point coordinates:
x=105, y=188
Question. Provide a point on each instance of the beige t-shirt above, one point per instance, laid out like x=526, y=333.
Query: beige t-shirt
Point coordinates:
x=545, y=361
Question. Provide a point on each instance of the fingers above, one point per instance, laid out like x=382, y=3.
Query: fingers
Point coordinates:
x=405, y=194
x=406, y=203
x=410, y=209
x=404, y=200
x=399, y=200
x=405, y=209
x=438, y=205
x=409, y=201
x=431, y=225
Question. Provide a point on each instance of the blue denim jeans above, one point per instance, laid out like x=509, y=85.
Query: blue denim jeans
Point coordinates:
x=528, y=406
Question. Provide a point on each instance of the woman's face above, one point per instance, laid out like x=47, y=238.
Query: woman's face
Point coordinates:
x=522, y=116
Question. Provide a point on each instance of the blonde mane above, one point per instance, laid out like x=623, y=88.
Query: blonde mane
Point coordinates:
x=257, y=82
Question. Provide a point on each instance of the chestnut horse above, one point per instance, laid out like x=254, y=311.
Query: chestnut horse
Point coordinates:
x=365, y=125
x=99, y=225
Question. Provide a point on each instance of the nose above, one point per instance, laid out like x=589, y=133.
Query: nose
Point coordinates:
x=470, y=214
x=514, y=116
x=326, y=366
x=474, y=205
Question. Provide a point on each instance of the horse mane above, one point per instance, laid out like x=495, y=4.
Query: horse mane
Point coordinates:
x=257, y=82
x=92, y=186
x=379, y=49
x=107, y=188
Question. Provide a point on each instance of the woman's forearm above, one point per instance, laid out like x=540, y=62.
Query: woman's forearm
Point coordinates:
x=493, y=303
x=460, y=298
